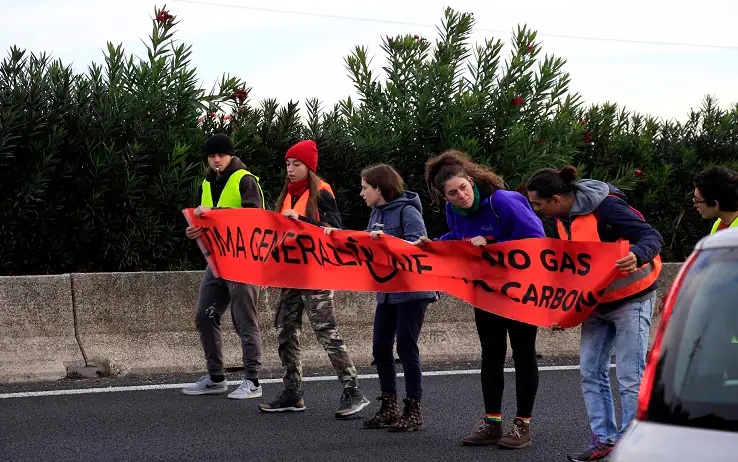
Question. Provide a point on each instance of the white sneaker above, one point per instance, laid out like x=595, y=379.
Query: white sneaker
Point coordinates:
x=246, y=390
x=205, y=386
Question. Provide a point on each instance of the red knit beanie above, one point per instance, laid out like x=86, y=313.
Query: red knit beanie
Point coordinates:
x=306, y=152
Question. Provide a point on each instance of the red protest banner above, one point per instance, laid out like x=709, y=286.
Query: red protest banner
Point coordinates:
x=537, y=281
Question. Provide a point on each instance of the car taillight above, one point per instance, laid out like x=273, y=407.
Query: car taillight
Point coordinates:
x=644, y=394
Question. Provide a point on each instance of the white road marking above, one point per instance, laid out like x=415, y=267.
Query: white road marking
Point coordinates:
x=323, y=378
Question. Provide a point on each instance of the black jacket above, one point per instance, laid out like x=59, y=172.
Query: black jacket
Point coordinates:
x=327, y=210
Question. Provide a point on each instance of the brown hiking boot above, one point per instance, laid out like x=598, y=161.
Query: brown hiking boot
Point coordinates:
x=411, y=419
x=387, y=415
x=518, y=436
x=484, y=433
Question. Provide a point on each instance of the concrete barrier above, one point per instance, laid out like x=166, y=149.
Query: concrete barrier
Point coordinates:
x=142, y=323
x=139, y=322
x=36, y=328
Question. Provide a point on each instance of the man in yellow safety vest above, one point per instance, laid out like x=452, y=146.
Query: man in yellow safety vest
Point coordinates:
x=716, y=197
x=227, y=184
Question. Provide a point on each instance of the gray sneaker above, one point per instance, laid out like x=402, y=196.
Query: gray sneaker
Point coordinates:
x=352, y=402
x=205, y=386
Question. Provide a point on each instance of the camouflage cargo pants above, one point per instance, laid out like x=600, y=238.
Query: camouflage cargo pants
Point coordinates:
x=319, y=307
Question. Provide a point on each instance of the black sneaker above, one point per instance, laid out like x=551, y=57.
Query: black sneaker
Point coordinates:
x=597, y=450
x=287, y=401
x=352, y=402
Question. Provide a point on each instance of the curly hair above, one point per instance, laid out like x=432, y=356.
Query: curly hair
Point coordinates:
x=452, y=163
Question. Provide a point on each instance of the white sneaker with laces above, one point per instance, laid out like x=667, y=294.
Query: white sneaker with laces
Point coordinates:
x=205, y=386
x=246, y=390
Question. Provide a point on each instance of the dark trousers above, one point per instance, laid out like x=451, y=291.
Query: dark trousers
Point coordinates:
x=403, y=321
x=493, y=331
x=215, y=296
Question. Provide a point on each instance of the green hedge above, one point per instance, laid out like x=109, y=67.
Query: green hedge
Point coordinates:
x=96, y=166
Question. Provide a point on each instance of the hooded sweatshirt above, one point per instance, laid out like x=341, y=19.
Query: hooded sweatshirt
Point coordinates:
x=502, y=216
x=250, y=192
x=403, y=218
x=615, y=220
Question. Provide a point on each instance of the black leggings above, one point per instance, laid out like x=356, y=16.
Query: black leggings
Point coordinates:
x=493, y=330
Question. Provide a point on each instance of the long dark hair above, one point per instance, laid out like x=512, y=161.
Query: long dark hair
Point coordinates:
x=311, y=210
x=451, y=163
x=549, y=182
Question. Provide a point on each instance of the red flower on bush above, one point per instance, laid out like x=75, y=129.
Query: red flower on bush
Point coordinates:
x=639, y=173
x=587, y=137
x=530, y=48
x=164, y=17
x=240, y=95
x=417, y=37
x=517, y=101
x=584, y=122
x=389, y=39
x=212, y=115
x=540, y=141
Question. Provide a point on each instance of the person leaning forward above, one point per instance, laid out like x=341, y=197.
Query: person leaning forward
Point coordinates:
x=589, y=210
x=227, y=185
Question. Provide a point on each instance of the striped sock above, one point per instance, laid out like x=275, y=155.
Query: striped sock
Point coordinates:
x=494, y=417
x=526, y=420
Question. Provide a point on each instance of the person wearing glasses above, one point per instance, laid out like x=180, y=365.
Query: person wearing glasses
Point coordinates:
x=716, y=197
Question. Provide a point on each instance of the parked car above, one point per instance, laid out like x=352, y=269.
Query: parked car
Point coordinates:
x=688, y=401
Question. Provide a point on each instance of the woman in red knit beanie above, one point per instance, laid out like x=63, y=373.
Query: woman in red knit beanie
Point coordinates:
x=308, y=198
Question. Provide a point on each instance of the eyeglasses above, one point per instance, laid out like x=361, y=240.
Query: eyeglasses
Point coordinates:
x=698, y=201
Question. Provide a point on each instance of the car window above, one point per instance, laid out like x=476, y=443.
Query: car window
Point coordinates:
x=696, y=380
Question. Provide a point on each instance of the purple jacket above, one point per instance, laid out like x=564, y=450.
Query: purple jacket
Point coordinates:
x=502, y=216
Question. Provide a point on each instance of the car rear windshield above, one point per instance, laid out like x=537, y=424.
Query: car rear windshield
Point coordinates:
x=696, y=381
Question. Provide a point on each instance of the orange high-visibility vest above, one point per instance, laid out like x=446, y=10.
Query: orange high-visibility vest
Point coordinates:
x=584, y=228
x=301, y=205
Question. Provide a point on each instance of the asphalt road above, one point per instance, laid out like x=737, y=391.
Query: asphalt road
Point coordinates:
x=165, y=425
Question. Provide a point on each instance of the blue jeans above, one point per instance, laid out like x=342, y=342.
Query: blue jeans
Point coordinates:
x=626, y=329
